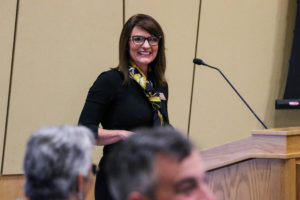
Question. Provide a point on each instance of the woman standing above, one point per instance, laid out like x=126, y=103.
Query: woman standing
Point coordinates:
x=132, y=95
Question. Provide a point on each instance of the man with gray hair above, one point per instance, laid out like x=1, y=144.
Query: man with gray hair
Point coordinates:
x=156, y=164
x=57, y=163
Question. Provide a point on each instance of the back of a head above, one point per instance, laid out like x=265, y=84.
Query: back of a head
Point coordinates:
x=130, y=165
x=55, y=155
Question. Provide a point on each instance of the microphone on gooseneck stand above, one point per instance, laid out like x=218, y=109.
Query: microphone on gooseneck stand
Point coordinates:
x=198, y=61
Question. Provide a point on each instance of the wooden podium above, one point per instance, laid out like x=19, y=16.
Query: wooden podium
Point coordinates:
x=264, y=166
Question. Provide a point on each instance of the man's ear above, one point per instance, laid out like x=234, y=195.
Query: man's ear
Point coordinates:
x=136, y=196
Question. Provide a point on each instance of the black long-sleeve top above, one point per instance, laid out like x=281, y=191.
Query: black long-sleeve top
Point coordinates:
x=118, y=106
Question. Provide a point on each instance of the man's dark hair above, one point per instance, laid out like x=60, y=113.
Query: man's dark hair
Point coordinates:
x=130, y=165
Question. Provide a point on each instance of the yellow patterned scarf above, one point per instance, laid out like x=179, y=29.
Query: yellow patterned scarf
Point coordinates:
x=136, y=74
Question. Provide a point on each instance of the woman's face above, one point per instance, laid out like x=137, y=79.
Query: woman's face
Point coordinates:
x=142, y=54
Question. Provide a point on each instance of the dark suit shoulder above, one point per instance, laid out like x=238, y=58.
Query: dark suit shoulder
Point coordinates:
x=111, y=75
x=110, y=78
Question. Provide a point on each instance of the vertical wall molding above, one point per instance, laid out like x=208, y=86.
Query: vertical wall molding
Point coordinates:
x=123, y=12
x=193, y=78
x=10, y=85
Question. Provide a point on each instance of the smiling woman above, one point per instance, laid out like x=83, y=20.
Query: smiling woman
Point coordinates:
x=142, y=52
x=132, y=95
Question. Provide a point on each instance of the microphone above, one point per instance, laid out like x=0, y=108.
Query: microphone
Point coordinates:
x=199, y=61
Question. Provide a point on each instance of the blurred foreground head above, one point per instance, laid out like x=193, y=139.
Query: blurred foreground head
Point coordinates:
x=156, y=164
x=57, y=163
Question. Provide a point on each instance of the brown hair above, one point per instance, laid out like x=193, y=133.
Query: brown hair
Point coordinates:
x=158, y=66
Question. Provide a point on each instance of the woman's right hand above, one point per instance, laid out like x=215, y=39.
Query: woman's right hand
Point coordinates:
x=106, y=137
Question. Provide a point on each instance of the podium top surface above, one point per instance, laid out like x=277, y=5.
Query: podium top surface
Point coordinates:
x=277, y=143
x=288, y=131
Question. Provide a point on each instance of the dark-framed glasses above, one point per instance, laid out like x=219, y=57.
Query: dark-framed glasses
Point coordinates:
x=140, y=40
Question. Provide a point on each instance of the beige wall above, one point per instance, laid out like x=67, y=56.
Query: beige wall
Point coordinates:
x=7, y=24
x=62, y=46
x=250, y=42
x=61, y=49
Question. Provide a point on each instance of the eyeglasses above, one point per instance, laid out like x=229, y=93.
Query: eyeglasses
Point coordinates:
x=140, y=40
x=94, y=169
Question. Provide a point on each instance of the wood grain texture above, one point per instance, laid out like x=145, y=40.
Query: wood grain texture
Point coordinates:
x=297, y=179
x=288, y=180
x=227, y=154
x=263, y=166
x=278, y=131
x=11, y=187
x=281, y=146
x=255, y=179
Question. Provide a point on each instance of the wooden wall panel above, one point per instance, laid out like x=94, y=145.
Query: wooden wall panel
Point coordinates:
x=179, y=23
x=13, y=187
x=7, y=24
x=298, y=179
x=252, y=179
x=257, y=179
x=288, y=180
x=250, y=42
x=62, y=46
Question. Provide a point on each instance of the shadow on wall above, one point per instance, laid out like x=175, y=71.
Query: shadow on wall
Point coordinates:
x=282, y=118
